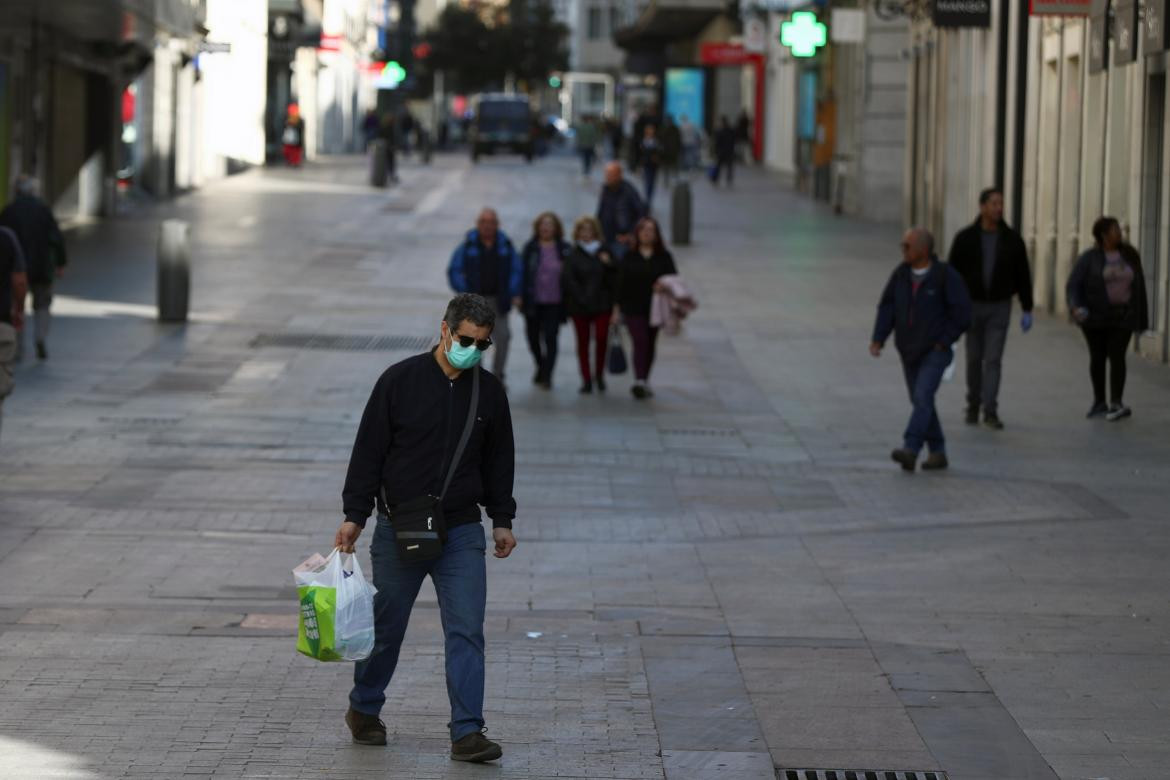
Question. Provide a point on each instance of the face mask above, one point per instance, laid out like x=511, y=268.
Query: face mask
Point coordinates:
x=590, y=246
x=462, y=357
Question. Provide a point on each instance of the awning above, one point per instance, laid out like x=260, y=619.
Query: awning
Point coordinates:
x=664, y=21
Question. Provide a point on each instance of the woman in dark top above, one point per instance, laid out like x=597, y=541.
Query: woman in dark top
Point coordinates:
x=1107, y=297
x=544, y=257
x=638, y=275
x=589, y=281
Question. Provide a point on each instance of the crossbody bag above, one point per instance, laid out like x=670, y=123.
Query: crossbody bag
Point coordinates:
x=418, y=524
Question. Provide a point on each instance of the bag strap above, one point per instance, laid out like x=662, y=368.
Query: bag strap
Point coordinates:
x=467, y=428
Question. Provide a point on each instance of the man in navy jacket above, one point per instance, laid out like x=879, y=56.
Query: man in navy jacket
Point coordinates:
x=927, y=307
x=487, y=264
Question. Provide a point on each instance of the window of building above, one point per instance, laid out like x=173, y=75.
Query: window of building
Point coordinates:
x=615, y=17
x=594, y=26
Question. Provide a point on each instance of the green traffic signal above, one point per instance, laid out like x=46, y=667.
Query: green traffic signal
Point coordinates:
x=554, y=81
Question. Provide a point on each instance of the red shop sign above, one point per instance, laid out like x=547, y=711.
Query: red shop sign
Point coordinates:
x=726, y=54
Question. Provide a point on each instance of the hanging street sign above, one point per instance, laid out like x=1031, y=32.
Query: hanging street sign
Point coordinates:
x=1155, y=29
x=961, y=13
x=1126, y=29
x=803, y=34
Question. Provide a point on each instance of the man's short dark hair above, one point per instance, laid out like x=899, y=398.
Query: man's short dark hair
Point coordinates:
x=987, y=193
x=471, y=307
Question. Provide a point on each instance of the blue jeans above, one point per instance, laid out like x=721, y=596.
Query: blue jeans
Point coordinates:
x=649, y=177
x=460, y=578
x=922, y=380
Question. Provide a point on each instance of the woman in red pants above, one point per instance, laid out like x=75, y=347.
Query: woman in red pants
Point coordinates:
x=588, y=280
x=638, y=275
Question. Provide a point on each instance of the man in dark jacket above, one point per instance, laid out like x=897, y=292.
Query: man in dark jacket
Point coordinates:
x=993, y=261
x=618, y=210
x=44, y=253
x=926, y=306
x=725, y=144
x=487, y=264
x=13, y=287
x=407, y=438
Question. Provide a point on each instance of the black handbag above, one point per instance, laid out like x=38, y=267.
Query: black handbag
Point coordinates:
x=417, y=523
x=615, y=360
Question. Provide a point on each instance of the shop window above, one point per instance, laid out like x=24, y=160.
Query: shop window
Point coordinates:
x=594, y=26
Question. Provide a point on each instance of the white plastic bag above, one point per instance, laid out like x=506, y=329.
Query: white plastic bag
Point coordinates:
x=336, y=621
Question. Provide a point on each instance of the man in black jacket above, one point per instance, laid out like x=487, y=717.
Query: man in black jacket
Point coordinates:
x=44, y=252
x=619, y=209
x=926, y=306
x=404, y=447
x=993, y=261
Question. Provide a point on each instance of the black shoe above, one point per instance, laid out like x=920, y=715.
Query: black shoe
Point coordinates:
x=935, y=461
x=42, y=353
x=907, y=459
x=537, y=377
x=600, y=385
x=476, y=748
x=992, y=421
x=640, y=392
x=586, y=388
x=1117, y=412
x=366, y=729
x=1098, y=409
x=972, y=415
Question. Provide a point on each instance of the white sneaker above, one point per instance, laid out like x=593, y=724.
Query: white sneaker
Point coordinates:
x=1117, y=412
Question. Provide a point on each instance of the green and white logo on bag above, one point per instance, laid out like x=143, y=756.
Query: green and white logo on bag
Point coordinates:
x=315, y=626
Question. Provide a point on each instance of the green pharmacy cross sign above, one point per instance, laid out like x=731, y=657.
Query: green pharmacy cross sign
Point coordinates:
x=392, y=75
x=803, y=34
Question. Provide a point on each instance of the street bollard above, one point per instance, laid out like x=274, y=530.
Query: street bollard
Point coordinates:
x=378, y=163
x=174, y=270
x=680, y=213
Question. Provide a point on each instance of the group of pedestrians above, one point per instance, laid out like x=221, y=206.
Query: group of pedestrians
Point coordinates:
x=611, y=270
x=927, y=305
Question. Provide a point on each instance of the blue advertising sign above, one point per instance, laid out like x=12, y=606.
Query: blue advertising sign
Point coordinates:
x=684, y=94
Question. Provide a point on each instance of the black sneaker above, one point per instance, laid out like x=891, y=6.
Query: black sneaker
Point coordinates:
x=971, y=417
x=586, y=388
x=639, y=392
x=476, y=748
x=42, y=353
x=935, y=461
x=600, y=385
x=1117, y=412
x=906, y=458
x=366, y=729
x=1098, y=409
x=991, y=420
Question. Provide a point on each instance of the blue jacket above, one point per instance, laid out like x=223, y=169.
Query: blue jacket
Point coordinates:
x=463, y=271
x=618, y=210
x=937, y=315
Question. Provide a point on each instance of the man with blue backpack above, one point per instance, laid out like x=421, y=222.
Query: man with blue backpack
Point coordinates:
x=487, y=264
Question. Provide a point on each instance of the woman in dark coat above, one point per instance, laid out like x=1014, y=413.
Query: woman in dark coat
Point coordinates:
x=589, y=281
x=1107, y=297
x=638, y=275
x=544, y=258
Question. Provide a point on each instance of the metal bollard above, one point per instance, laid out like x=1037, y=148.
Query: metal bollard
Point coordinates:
x=174, y=270
x=378, y=163
x=680, y=213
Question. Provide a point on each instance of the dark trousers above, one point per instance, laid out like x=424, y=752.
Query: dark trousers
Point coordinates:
x=598, y=324
x=649, y=178
x=724, y=164
x=586, y=160
x=923, y=377
x=645, y=341
x=460, y=579
x=986, y=338
x=543, y=326
x=1108, y=343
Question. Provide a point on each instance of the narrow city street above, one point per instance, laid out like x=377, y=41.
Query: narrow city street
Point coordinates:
x=728, y=580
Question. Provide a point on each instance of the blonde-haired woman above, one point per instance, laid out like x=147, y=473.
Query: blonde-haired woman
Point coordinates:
x=589, y=281
x=544, y=257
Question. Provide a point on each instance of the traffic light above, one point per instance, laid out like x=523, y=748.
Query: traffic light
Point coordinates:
x=554, y=81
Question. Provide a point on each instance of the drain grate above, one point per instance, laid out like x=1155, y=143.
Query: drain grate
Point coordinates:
x=341, y=343
x=699, y=432
x=858, y=774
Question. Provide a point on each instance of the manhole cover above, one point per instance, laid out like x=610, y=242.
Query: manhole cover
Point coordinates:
x=341, y=342
x=858, y=774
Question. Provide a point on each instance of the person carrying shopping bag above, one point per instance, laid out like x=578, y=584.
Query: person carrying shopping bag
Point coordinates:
x=589, y=281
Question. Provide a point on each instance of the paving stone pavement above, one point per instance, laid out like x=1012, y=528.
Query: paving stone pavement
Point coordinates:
x=727, y=580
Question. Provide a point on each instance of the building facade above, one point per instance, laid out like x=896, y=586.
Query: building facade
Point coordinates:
x=1069, y=117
